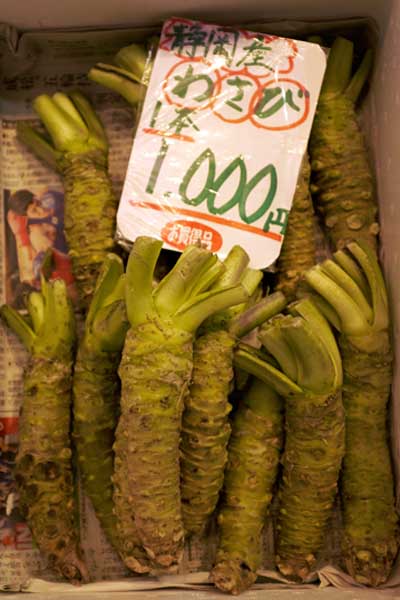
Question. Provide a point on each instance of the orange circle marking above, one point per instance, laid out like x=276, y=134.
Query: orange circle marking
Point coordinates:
x=215, y=92
x=256, y=97
x=248, y=113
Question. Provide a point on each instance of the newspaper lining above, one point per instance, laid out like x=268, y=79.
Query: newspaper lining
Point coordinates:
x=29, y=65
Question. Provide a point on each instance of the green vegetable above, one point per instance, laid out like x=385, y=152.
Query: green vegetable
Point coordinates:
x=343, y=185
x=130, y=74
x=298, y=248
x=352, y=284
x=310, y=378
x=96, y=389
x=253, y=459
x=43, y=473
x=155, y=372
x=205, y=425
x=79, y=151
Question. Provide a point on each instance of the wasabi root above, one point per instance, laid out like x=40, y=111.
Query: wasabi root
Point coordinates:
x=43, y=470
x=353, y=287
x=96, y=390
x=310, y=378
x=298, y=248
x=253, y=460
x=343, y=186
x=205, y=424
x=155, y=372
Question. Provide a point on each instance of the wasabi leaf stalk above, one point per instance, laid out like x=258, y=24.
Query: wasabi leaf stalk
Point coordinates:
x=130, y=73
x=78, y=150
x=43, y=470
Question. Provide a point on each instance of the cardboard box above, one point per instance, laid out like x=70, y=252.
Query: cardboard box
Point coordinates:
x=381, y=124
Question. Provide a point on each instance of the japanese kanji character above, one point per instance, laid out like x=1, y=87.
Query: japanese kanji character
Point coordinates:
x=255, y=55
x=221, y=41
x=195, y=236
x=183, y=120
x=193, y=36
x=278, y=219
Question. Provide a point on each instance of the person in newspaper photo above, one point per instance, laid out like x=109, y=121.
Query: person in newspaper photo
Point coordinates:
x=35, y=223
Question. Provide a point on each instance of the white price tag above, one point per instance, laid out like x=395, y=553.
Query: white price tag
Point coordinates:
x=218, y=148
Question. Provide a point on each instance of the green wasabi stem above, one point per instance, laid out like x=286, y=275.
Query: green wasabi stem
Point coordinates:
x=315, y=39
x=370, y=537
x=304, y=346
x=338, y=70
x=96, y=390
x=209, y=277
x=343, y=187
x=298, y=248
x=43, y=470
x=258, y=366
x=278, y=346
x=358, y=80
x=351, y=267
x=323, y=306
x=235, y=266
x=129, y=76
x=36, y=310
x=155, y=372
x=132, y=58
x=205, y=424
x=34, y=140
x=251, y=281
x=253, y=459
x=346, y=282
x=241, y=324
x=118, y=80
x=78, y=149
x=19, y=325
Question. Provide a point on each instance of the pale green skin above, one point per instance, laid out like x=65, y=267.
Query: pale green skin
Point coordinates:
x=309, y=377
x=298, y=248
x=253, y=459
x=356, y=293
x=155, y=372
x=96, y=405
x=96, y=400
x=342, y=177
x=90, y=207
x=44, y=470
x=205, y=428
x=343, y=183
x=314, y=448
x=371, y=533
